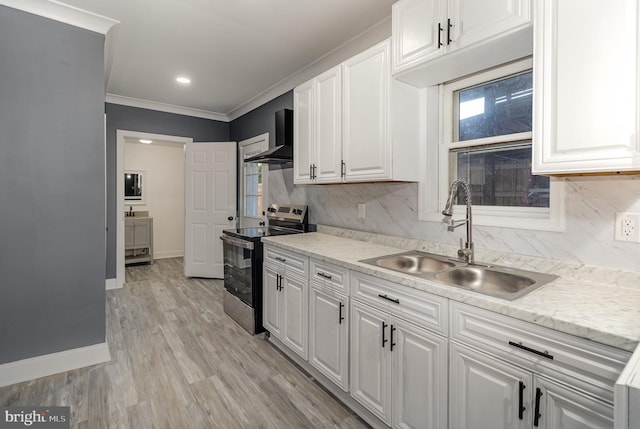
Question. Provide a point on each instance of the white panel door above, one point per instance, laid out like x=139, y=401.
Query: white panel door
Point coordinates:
x=420, y=381
x=272, y=302
x=295, y=323
x=370, y=369
x=564, y=408
x=328, y=335
x=485, y=392
x=328, y=129
x=303, y=132
x=366, y=142
x=210, y=205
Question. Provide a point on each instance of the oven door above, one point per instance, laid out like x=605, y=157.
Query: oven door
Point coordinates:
x=239, y=261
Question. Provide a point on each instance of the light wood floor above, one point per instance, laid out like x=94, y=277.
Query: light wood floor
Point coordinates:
x=178, y=361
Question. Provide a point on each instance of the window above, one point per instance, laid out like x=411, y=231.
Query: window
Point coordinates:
x=253, y=181
x=486, y=140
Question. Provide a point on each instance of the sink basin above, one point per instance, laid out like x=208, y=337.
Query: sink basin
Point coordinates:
x=413, y=262
x=501, y=282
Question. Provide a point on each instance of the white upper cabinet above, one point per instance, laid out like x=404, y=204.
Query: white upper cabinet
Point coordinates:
x=436, y=41
x=356, y=123
x=586, y=87
x=317, y=143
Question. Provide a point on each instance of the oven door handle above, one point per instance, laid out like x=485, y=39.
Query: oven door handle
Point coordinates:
x=237, y=242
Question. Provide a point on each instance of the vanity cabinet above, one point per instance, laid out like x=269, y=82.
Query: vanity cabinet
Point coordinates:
x=329, y=322
x=355, y=123
x=398, y=368
x=507, y=373
x=138, y=240
x=586, y=111
x=286, y=297
x=435, y=41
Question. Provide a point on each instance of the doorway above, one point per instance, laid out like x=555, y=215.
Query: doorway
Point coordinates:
x=121, y=137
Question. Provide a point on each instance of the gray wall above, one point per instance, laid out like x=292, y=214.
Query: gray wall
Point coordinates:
x=149, y=121
x=52, y=189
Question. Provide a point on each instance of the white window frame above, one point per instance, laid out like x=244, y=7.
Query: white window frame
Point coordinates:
x=263, y=139
x=435, y=181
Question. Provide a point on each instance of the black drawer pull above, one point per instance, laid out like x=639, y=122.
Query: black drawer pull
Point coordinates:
x=544, y=354
x=397, y=301
x=326, y=276
x=278, y=258
x=521, y=407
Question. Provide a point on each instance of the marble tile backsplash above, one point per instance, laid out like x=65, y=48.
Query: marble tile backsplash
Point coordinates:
x=392, y=209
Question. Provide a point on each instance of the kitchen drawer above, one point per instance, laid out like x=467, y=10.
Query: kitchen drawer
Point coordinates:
x=585, y=364
x=292, y=263
x=422, y=308
x=329, y=276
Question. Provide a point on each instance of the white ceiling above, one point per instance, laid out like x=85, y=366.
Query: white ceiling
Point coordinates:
x=233, y=50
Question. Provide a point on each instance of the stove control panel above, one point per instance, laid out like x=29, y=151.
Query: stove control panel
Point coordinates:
x=288, y=212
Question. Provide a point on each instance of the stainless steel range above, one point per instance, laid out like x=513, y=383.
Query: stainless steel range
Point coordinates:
x=243, y=262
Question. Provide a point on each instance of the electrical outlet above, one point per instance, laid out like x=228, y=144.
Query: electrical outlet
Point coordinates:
x=627, y=227
x=361, y=211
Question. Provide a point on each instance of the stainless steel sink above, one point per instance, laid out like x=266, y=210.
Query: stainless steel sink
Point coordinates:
x=414, y=262
x=501, y=282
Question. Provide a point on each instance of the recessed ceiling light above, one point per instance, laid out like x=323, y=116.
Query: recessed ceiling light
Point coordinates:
x=183, y=80
x=145, y=141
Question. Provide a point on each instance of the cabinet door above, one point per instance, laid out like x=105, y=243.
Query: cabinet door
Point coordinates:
x=370, y=369
x=295, y=311
x=485, y=392
x=303, y=133
x=271, y=302
x=366, y=139
x=128, y=234
x=328, y=335
x=328, y=127
x=141, y=232
x=474, y=21
x=419, y=397
x=585, y=111
x=564, y=408
x=416, y=31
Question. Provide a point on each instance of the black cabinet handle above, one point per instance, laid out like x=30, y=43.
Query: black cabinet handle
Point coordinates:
x=230, y=218
x=278, y=258
x=439, y=35
x=277, y=281
x=384, y=340
x=544, y=354
x=343, y=169
x=521, y=407
x=392, y=343
x=537, y=415
x=340, y=317
x=449, y=25
x=261, y=223
x=323, y=275
x=397, y=301
x=310, y=171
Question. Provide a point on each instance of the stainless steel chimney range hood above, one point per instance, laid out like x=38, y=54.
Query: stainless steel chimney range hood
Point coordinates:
x=282, y=153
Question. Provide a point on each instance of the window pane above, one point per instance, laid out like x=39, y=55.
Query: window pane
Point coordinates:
x=500, y=176
x=494, y=109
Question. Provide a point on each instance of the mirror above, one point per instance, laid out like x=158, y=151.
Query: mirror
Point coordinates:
x=133, y=187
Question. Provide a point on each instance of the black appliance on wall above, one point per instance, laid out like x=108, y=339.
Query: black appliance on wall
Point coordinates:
x=282, y=153
x=242, y=248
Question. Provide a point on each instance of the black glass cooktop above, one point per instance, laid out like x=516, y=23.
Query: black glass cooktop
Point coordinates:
x=256, y=233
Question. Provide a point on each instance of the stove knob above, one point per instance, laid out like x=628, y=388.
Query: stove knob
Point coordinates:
x=271, y=209
x=297, y=212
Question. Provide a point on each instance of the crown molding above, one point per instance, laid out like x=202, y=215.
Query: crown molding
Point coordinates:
x=65, y=13
x=162, y=107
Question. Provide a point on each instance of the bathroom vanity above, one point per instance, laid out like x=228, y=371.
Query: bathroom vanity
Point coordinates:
x=138, y=238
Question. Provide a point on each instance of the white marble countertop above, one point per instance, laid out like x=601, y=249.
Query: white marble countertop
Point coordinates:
x=608, y=313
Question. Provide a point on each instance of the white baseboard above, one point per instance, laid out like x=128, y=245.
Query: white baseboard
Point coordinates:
x=163, y=254
x=112, y=284
x=54, y=363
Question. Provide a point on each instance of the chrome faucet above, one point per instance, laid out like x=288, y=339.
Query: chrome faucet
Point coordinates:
x=465, y=252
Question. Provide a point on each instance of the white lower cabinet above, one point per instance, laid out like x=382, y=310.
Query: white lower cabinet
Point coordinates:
x=485, y=392
x=329, y=335
x=285, y=301
x=398, y=370
x=506, y=373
